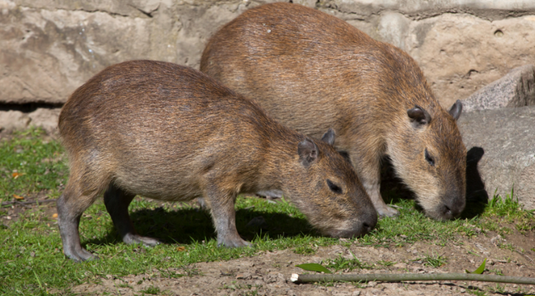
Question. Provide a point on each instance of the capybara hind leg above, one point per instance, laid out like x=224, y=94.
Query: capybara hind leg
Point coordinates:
x=117, y=202
x=71, y=205
x=224, y=217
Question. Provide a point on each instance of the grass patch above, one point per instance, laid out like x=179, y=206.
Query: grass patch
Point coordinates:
x=29, y=165
x=434, y=260
x=151, y=290
x=31, y=250
x=341, y=263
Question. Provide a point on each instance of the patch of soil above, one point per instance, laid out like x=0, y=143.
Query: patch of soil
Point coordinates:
x=269, y=273
x=11, y=210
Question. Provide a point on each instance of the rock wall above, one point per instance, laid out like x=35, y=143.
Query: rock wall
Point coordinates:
x=50, y=47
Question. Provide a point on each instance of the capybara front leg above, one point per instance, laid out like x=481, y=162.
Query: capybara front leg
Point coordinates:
x=117, y=202
x=370, y=176
x=224, y=217
x=373, y=189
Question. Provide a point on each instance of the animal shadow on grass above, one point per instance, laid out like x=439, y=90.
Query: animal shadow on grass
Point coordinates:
x=188, y=225
x=393, y=189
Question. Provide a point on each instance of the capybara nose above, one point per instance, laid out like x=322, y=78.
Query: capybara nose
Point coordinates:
x=361, y=226
x=370, y=222
x=366, y=228
x=447, y=211
x=452, y=208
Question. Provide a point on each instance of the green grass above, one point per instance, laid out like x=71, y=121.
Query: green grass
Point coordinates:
x=434, y=260
x=29, y=165
x=31, y=255
x=341, y=263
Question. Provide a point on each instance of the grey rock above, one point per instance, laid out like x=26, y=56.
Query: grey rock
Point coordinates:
x=308, y=3
x=45, y=118
x=461, y=53
x=507, y=139
x=50, y=47
x=393, y=28
x=422, y=9
x=13, y=120
x=516, y=89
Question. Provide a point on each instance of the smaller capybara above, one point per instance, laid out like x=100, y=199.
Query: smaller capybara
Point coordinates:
x=172, y=133
x=311, y=71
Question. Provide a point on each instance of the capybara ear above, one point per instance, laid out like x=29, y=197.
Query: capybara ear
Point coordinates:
x=419, y=115
x=328, y=137
x=308, y=152
x=456, y=110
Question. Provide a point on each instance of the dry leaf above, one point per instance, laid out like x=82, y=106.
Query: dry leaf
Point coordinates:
x=18, y=197
x=16, y=175
x=181, y=249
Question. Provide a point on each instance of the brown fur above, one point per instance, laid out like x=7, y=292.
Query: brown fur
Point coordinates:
x=312, y=71
x=171, y=133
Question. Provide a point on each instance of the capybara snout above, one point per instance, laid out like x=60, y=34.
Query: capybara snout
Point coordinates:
x=171, y=133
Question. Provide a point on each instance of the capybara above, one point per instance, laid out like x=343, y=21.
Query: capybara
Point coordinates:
x=310, y=70
x=172, y=133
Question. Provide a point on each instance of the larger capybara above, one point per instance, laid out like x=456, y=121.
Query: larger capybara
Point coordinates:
x=172, y=133
x=310, y=71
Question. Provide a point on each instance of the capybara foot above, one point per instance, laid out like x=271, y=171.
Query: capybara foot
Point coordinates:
x=233, y=242
x=137, y=239
x=387, y=211
x=79, y=255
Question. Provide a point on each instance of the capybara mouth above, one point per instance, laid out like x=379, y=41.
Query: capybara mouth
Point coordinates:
x=359, y=228
x=445, y=211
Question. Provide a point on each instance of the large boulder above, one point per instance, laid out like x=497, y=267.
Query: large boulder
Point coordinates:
x=505, y=139
x=516, y=89
x=49, y=48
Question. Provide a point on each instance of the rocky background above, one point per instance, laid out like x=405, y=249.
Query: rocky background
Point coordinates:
x=466, y=49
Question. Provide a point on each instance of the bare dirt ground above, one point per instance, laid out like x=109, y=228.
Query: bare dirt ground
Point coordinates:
x=269, y=273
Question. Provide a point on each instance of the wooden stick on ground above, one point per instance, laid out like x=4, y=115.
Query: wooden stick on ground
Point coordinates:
x=307, y=278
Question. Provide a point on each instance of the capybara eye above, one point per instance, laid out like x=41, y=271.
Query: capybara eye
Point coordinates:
x=334, y=188
x=429, y=159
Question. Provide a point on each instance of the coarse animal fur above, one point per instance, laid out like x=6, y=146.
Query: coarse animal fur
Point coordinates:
x=171, y=133
x=312, y=71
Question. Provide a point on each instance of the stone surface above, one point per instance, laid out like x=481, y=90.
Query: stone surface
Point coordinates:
x=516, y=89
x=50, y=47
x=13, y=120
x=507, y=138
x=44, y=118
x=422, y=9
x=461, y=53
x=47, y=119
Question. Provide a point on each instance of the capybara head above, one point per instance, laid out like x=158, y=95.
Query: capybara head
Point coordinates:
x=327, y=190
x=431, y=157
